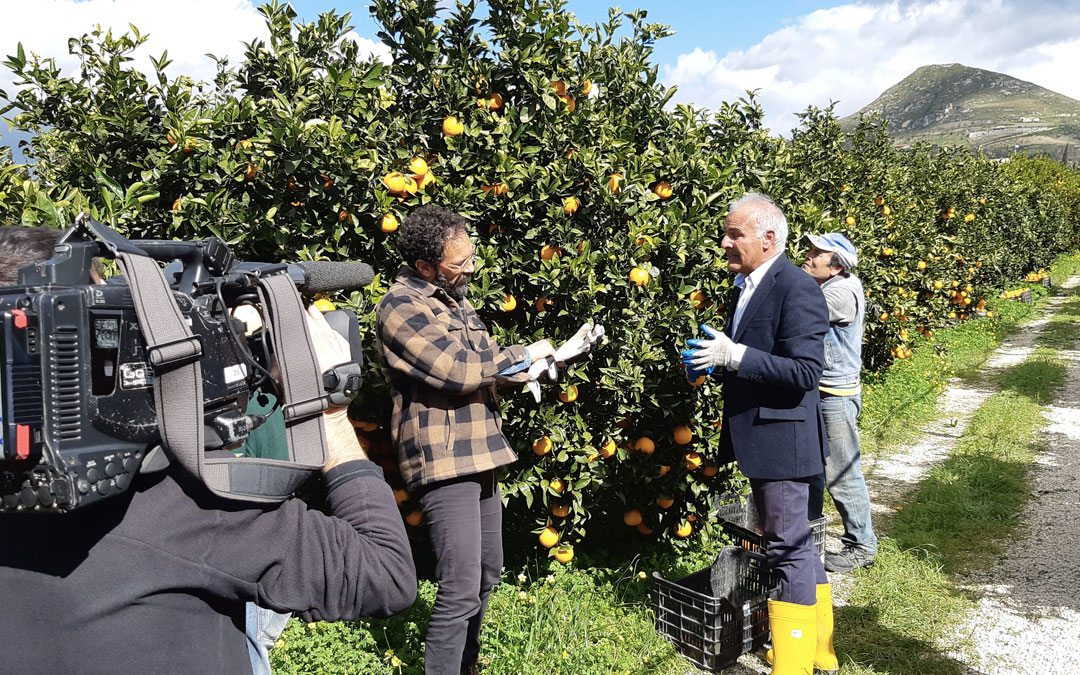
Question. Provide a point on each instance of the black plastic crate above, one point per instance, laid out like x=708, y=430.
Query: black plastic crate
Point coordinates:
x=1026, y=296
x=710, y=631
x=736, y=508
x=755, y=542
x=1046, y=281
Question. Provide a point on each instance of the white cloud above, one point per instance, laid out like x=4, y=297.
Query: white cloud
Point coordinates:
x=188, y=29
x=852, y=53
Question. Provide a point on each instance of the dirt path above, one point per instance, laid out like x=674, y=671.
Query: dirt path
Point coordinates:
x=1028, y=613
x=1032, y=601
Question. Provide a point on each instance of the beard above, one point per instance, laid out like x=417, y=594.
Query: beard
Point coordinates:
x=455, y=289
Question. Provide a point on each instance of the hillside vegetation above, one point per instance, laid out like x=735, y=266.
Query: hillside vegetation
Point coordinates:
x=953, y=104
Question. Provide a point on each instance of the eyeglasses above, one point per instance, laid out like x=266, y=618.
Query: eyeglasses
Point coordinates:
x=459, y=267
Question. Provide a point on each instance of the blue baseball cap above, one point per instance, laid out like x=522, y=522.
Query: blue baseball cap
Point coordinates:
x=834, y=242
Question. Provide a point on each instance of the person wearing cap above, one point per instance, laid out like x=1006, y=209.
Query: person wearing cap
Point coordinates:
x=829, y=261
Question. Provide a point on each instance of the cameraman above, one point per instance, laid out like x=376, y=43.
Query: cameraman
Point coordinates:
x=157, y=579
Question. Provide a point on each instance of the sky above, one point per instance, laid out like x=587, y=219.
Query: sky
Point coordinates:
x=796, y=53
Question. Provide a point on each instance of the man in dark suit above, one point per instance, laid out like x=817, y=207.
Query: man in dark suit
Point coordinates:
x=770, y=358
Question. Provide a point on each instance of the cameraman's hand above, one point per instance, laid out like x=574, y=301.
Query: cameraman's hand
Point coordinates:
x=332, y=349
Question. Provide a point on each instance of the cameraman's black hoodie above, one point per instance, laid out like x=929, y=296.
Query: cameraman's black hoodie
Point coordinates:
x=155, y=581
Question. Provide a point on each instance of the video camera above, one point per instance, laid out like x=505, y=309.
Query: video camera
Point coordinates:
x=95, y=377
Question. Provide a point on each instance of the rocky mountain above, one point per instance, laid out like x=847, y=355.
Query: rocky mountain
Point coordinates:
x=953, y=104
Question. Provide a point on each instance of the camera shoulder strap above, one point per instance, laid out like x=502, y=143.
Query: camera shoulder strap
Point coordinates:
x=174, y=353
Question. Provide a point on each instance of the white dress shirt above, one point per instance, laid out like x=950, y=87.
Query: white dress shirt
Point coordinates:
x=748, y=283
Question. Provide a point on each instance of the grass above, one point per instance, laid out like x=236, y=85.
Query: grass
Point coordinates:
x=595, y=618
x=903, y=610
x=902, y=399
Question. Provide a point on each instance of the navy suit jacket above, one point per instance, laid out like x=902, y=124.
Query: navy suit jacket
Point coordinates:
x=772, y=422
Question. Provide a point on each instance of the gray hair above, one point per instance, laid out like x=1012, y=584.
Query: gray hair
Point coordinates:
x=837, y=261
x=767, y=216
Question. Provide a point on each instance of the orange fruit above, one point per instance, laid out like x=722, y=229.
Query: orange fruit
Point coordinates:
x=549, y=537
x=644, y=529
x=565, y=554
x=697, y=298
x=879, y=201
x=922, y=265
x=324, y=305
x=586, y=87
x=710, y=470
x=559, y=86
x=663, y=190
x=692, y=518
x=698, y=382
x=570, y=205
x=613, y=182
x=665, y=502
x=548, y=252
x=424, y=180
x=682, y=434
x=543, y=303
x=850, y=220
x=394, y=182
x=693, y=461
x=608, y=449
x=569, y=395
x=452, y=127
x=645, y=445
x=496, y=101
x=632, y=517
x=176, y=204
x=570, y=101
x=560, y=510
x=938, y=284
x=557, y=485
x=969, y=217
x=639, y=276
x=498, y=188
x=388, y=223
x=401, y=496
x=683, y=530
x=251, y=171
x=418, y=166
x=343, y=215
x=542, y=446
x=664, y=468
x=508, y=303
x=415, y=517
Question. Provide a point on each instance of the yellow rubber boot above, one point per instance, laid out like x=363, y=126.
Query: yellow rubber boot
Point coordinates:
x=794, y=637
x=824, y=656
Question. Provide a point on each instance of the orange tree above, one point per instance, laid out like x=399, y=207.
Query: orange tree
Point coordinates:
x=589, y=195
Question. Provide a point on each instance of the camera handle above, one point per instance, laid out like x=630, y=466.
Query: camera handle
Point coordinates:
x=175, y=354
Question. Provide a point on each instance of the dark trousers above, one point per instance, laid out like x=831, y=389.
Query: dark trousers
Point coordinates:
x=464, y=516
x=789, y=545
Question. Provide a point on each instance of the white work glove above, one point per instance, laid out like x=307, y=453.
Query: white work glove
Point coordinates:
x=587, y=337
x=571, y=351
x=709, y=354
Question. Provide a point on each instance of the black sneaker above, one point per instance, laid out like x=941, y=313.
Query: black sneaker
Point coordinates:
x=847, y=559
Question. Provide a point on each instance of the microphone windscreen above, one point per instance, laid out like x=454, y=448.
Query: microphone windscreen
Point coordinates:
x=323, y=276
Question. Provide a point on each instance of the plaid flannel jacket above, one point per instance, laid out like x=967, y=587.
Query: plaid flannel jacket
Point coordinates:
x=441, y=364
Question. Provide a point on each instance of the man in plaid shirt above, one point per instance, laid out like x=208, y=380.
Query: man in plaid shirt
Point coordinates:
x=442, y=366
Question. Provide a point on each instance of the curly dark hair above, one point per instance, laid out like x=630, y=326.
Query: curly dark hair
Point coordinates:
x=425, y=232
x=21, y=246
